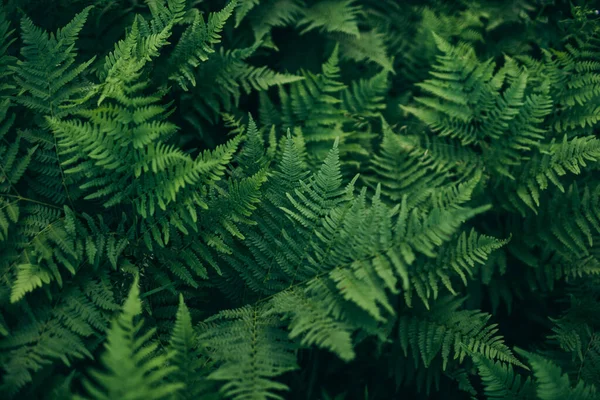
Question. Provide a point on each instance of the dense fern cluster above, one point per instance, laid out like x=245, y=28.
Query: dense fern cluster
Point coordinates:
x=299, y=199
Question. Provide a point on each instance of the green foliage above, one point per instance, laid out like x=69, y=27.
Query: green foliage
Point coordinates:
x=356, y=199
x=196, y=44
x=133, y=369
x=448, y=331
x=332, y=16
x=501, y=382
x=250, y=348
x=47, y=72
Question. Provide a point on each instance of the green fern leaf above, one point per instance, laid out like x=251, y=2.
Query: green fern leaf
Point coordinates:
x=134, y=368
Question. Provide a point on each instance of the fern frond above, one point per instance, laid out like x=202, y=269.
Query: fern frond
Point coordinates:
x=312, y=322
x=552, y=384
x=233, y=76
x=458, y=258
x=196, y=44
x=365, y=96
x=449, y=331
x=332, y=16
x=369, y=46
x=501, y=382
x=47, y=75
x=47, y=335
x=251, y=349
x=412, y=166
x=555, y=160
x=276, y=13
x=243, y=8
x=191, y=368
x=134, y=367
